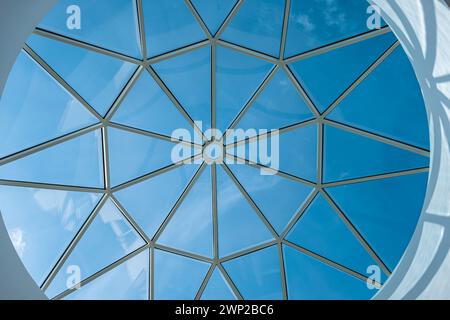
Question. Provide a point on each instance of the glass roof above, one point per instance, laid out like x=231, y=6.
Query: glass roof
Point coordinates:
x=114, y=186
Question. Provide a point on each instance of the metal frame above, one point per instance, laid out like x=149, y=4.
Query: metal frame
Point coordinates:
x=145, y=64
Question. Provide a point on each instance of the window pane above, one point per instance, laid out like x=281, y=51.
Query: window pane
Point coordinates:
x=188, y=76
x=191, y=228
x=109, y=238
x=401, y=102
x=278, y=106
x=34, y=218
x=278, y=198
x=321, y=22
x=317, y=281
x=257, y=275
x=34, y=108
x=147, y=107
x=385, y=212
x=149, y=202
x=105, y=23
x=349, y=156
x=240, y=227
x=98, y=78
x=177, y=277
x=214, y=12
x=77, y=162
x=217, y=288
x=238, y=78
x=169, y=25
x=322, y=231
x=128, y=281
x=338, y=68
x=258, y=26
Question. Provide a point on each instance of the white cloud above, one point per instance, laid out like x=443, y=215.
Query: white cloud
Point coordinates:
x=304, y=21
x=17, y=238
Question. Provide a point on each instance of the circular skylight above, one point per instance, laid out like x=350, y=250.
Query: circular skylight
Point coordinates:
x=212, y=149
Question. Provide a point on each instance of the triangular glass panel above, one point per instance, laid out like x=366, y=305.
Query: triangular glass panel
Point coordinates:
x=177, y=277
x=318, y=281
x=401, y=101
x=349, y=156
x=29, y=115
x=217, y=288
x=133, y=155
x=77, y=162
x=258, y=25
x=278, y=106
x=128, y=281
x=150, y=202
x=278, y=152
x=238, y=78
x=257, y=276
x=34, y=218
x=188, y=76
x=98, y=78
x=318, y=23
x=191, y=228
x=214, y=12
x=109, y=238
x=169, y=25
x=338, y=68
x=147, y=107
x=385, y=212
x=264, y=188
x=322, y=231
x=104, y=23
x=240, y=227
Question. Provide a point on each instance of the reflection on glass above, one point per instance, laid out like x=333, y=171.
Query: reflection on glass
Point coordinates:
x=258, y=25
x=264, y=189
x=349, y=156
x=29, y=115
x=320, y=22
x=278, y=106
x=177, y=277
x=190, y=229
x=77, y=162
x=188, y=76
x=98, y=78
x=169, y=25
x=322, y=231
x=213, y=12
x=34, y=218
x=235, y=216
x=109, y=24
x=317, y=281
x=128, y=281
x=149, y=202
x=338, y=68
x=147, y=107
x=257, y=275
x=217, y=288
x=385, y=212
x=401, y=102
x=238, y=78
x=109, y=238
x=133, y=155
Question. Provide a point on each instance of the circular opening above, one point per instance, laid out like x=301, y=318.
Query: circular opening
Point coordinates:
x=94, y=190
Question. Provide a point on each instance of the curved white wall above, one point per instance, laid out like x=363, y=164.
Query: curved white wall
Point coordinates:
x=423, y=29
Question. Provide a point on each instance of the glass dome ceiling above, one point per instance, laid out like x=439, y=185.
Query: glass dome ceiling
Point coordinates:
x=97, y=208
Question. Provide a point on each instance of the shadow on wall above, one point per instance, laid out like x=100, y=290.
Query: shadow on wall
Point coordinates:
x=428, y=253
